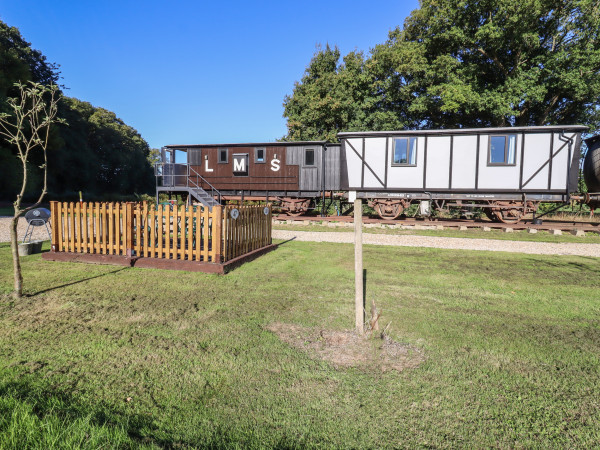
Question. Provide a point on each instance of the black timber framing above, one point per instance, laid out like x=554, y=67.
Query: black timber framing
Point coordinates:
x=387, y=143
x=567, y=141
x=362, y=172
x=451, y=161
x=425, y=165
x=477, y=163
x=551, y=158
x=521, y=161
x=364, y=163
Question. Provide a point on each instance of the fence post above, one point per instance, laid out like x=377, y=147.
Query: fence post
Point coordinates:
x=53, y=225
x=359, y=300
x=217, y=234
x=129, y=229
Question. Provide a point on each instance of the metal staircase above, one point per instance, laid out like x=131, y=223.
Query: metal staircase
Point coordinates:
x=183, y=178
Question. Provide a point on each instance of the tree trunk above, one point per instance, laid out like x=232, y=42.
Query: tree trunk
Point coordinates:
x=14, y=246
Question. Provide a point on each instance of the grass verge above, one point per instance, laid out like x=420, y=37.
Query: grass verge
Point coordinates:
x=124, y=357
x=518, y=235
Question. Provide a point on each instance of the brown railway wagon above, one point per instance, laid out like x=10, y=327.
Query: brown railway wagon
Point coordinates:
x=293, y=174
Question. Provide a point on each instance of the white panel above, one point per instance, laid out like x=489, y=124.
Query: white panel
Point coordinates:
x=537, y=152
x=354, y=162
x=438, y=162
x=375, y=158
x=464, y=158
x=498, y=177
x=406, y=177
x=560, y=163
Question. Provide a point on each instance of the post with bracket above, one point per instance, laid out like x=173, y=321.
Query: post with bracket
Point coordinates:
x=54, y=221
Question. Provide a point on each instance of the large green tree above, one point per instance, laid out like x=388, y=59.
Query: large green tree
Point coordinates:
x=96, y=153
x=467, y=64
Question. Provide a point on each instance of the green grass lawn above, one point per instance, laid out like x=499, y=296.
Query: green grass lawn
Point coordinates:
x=105, y=356
x=473, y=233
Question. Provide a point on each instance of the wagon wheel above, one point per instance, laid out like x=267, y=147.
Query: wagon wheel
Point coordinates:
x=295, y=208
x=388, y=209
x=504, y=213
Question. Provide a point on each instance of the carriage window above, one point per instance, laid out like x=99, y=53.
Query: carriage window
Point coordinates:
x=223, y=156
x=309, y=157
x=405, y=152
x=502, y=151
x=259, y=155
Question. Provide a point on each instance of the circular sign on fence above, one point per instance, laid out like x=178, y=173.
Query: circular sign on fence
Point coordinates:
x=235, y=213
x=266, y=211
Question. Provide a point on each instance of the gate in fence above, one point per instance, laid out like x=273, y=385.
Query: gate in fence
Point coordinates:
x=136, y=230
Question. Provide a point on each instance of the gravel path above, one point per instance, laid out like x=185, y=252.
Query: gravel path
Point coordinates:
x=537, y=248
x=38, y=232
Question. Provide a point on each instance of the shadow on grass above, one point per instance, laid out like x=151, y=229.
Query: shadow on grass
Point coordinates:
x=285, y=242
x=77, y=282
x=73, y=419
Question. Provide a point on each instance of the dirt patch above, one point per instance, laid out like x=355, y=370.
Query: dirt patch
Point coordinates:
x=348, y=349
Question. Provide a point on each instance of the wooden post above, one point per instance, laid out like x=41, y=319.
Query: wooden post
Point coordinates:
x=54, y=226
x=128, y=229
x=358, y=268
x=217, y=233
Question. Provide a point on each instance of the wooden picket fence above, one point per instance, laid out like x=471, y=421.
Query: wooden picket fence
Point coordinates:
x=191, y=233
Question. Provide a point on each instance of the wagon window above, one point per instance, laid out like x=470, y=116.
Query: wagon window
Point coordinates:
x=502, y=151
x=405, y=152
x=309, y=157
x=223, y=153
x=259, y=155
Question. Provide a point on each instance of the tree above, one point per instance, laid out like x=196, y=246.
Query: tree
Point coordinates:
x=97, y=153
x=28, y=129
x=473, y=64
x=329, y=99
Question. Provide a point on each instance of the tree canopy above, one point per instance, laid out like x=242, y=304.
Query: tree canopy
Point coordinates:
x=460, y=64
x=96, y=152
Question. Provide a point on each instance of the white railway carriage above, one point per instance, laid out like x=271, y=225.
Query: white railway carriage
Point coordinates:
x=506, y=171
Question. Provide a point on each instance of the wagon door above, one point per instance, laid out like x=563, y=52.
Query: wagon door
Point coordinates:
x=309, y=169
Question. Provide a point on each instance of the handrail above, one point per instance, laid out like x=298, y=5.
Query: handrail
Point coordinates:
x=188, y=181
x=213, y=189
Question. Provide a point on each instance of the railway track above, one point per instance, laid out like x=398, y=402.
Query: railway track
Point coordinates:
x=551, y=226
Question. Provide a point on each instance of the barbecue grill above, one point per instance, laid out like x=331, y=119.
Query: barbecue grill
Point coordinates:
x=37, y=217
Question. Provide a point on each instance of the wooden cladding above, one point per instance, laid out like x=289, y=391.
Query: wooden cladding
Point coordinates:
x=179, y=233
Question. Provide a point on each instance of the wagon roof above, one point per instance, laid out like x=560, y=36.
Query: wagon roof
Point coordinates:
x=253, y=144
x=474, y=131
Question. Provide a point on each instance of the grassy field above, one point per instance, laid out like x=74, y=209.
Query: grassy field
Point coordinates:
x=104, y=356
x=475, y=233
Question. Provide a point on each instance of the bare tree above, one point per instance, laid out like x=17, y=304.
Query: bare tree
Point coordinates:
x=28, y=129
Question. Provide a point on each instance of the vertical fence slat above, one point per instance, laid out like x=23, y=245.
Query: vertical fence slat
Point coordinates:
x=168, y=233
x=150, y=249
x=190, y=236
x=161, y=233
x=59, y=226
x=84, y=223
x=205, y=233
x=198, y=220
x=182, y=228
x=111, y=227
x=217, y=234
x=71, y=225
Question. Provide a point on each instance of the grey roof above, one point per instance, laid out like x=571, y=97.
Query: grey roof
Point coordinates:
x=537, y=129
x=253, y=144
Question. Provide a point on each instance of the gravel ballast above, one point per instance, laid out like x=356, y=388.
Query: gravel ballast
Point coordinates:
x=536, y=248
x=39, y=233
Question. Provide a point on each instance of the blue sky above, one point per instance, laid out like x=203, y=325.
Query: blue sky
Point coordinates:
x=184, y=72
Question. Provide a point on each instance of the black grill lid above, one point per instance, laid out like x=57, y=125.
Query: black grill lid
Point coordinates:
x=37, y=216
